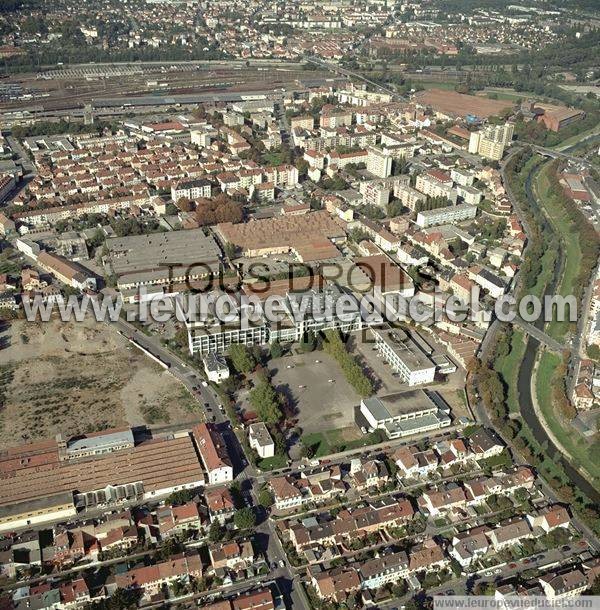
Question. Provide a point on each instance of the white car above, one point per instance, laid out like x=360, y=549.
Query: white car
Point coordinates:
x=204, y=384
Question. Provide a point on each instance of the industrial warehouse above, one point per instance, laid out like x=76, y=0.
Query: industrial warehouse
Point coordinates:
x=55, y=479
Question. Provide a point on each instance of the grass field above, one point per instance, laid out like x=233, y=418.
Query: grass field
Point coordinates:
x=272, y=463
x=506, y=94
x=508, y=367
x=567, y=436
x=273, y=158
x=570, y=251
x=432, y=84
x=577, y=138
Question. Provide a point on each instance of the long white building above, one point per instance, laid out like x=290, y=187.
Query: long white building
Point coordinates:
x=404, y=356
x=447, y=215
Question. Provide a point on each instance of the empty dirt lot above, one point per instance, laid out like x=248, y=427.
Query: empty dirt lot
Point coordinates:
x=80, y=377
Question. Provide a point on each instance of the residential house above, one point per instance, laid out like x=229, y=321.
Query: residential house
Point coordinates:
x=452, y=452
x=122, y=538
x=380, y=571
x=213, y=453
x=469, y=546
x=485, y=444
x=442, y=500
x=220, y=504
x=510, y=533
x=427, y=556
x=565, y=585
x=286, y=493
x=74, y=593
x=550, y=518
x=261, y=440
x=364, y=475
x=151, y=578
x=173, y=520
x=234, y=555
x=254, y=600
x=336, y=584
x=412, y=462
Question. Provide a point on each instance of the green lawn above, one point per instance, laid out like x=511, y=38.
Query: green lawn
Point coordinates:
x=578, y=448
x=333, y=441
x=570, y=251
x=432, y=84
x=506, y=94
x=272, y=463
x=273, y=158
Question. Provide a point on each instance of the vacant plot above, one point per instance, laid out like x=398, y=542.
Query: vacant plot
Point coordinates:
x=81, y=377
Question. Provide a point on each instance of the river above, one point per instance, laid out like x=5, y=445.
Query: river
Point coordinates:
x=526, y=400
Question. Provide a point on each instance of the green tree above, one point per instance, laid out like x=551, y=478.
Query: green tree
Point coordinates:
x=353, y=372
x=266, y=401
x=307, y=451
x=595, y=588
x=235, y=489
x=215, y=533
x=230, y=250
x=265, y=498
x=242, y=358
x=308, y=342
x=276, y=350
x=244, y=518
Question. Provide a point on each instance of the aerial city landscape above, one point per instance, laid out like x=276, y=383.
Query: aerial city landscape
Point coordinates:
x=299, y=304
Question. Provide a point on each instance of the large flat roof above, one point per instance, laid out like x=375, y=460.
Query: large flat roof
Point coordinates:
x=308, y=234
x=41, y=503
x=405, y=348
x=158, y=464
x=402, y=403
x=98, y=441
x=155, y=251
x=416, y=424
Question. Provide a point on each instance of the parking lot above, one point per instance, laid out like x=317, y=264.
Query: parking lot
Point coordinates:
x=320, y=404
x=386, y=382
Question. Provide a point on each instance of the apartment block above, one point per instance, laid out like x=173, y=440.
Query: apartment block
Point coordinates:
x=447, y=215
x=435, y=183
x=375, y=193
x=409, y=196
x=491, y=141
x=191, y=189
x=379, y=163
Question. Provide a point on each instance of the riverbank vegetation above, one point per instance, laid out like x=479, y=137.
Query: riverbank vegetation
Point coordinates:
x=496, y=376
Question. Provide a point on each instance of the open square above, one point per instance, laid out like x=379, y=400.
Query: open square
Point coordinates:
x=321, y=404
